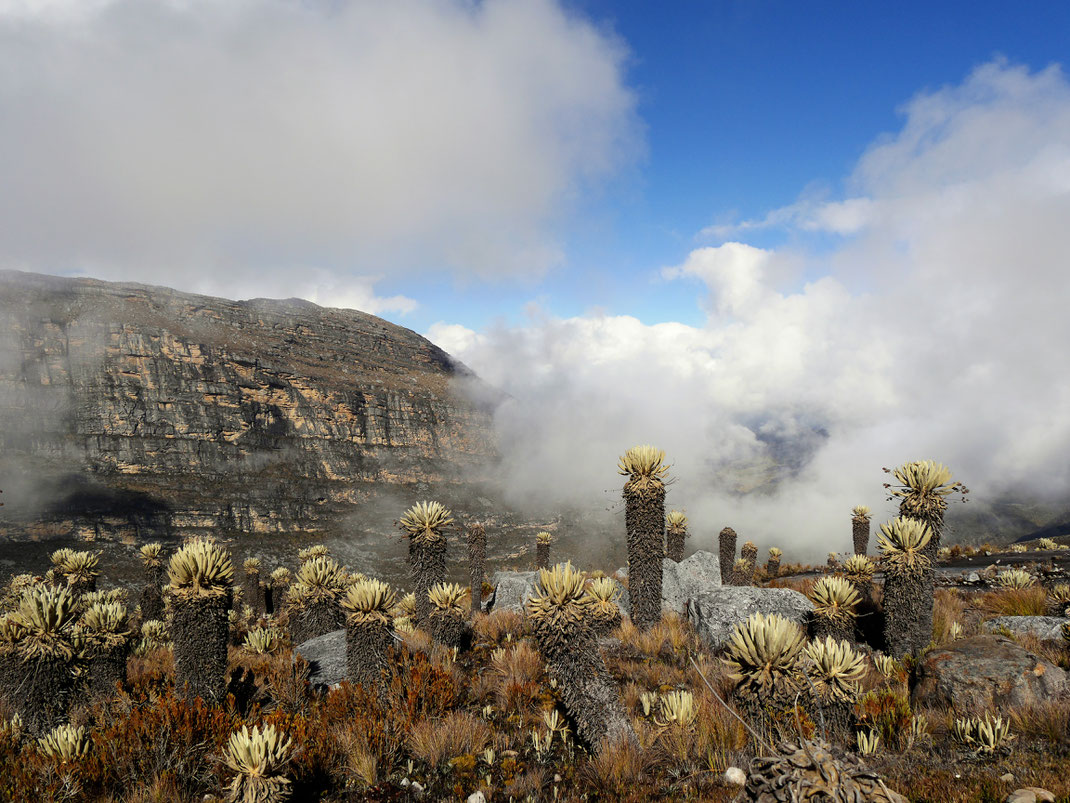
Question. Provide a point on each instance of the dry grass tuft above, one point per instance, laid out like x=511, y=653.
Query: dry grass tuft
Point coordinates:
x=498, y=626
x=1048, y=720
x=458, y=733
x=670, y=639
x=618, y=769
x=1014, y=602
x=800, y=584
x=518, y=670
x=949, y=607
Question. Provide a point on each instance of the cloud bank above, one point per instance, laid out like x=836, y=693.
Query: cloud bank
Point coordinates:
x=265, y=147
x=933, y=329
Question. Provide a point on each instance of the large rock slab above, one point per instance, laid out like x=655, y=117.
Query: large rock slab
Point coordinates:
x=1045, y=628
x=326, y=656
x=715, y=613
x=985, y=673
x=683, y=581
x=511, y=590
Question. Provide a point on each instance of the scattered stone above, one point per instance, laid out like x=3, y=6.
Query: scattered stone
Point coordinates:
x=1030, y=794
x=973, y=578
x=477, y=797
x=985, y=673
x=734, y=776
x=716, y=612
x=511, y=590
x=417, y=788
x=1045, y=628
x=326, y=656
x=1007, y=777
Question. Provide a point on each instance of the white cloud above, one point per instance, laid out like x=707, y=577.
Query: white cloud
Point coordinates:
x=936, y=330
x=733, y=272
x=176, y=142
x=845, y=217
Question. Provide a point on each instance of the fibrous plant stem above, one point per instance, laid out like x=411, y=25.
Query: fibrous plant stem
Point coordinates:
x=477, y=558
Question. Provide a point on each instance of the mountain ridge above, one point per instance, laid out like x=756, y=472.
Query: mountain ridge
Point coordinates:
x=127, y=407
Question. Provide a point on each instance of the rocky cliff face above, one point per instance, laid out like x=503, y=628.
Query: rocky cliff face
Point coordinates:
x=125, y=407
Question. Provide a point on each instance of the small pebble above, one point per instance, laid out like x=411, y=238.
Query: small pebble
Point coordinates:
x=1007, y=778
x=735, y=776
x=477, y=797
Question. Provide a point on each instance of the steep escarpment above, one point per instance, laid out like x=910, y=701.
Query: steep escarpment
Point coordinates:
x=125, y=407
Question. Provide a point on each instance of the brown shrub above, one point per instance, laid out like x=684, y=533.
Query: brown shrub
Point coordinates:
x=156, y=736
x=886, y=711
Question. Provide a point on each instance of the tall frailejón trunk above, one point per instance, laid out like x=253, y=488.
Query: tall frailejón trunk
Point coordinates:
x=726, y=543
x=199, y=635
x=427, y=566
x=645, y=521
x=860, y=534
x=477, y=562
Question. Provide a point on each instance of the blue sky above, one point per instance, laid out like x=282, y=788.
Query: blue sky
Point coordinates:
x=745, y=106
x=809, y=239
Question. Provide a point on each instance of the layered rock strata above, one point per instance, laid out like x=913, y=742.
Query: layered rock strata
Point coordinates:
x=126, y=408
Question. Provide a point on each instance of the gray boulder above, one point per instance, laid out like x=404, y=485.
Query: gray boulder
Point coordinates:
x=680, y=582
x=1045, y=628
x=683, y=581
x=984, y=673
x=716, y=612
x=326, y=656
x=511, y=590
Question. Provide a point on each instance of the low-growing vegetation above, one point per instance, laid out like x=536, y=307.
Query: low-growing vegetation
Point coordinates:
x=198, y=692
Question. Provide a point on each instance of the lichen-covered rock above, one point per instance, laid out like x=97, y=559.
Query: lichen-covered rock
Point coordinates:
x=1045, y=628
x=511, y=590
x=985, y=673
x=814, y=771
x=327, y=658
x=683, y=581
x=714, y=613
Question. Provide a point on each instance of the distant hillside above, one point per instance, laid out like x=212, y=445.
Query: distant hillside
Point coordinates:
x=126, y=408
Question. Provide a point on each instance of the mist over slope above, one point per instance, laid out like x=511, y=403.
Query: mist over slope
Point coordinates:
x=920, y=316
x=137, y=411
